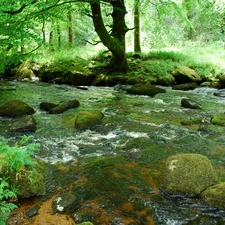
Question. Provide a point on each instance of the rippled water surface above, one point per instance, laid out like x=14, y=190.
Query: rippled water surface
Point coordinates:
x=131, y=125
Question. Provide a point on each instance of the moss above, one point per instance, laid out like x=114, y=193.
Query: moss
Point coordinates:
x=15, y=108
x=30, y=183
x=88, y=119
x=188, y=174
x=219, y=119
x=215, y=196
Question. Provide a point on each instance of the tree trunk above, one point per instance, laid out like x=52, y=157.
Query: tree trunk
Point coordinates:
x=137, y=45
x=58, y=35
x=116, y=42
x=70, y=30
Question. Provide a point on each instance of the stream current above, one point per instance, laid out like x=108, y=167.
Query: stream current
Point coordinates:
x=127, y=118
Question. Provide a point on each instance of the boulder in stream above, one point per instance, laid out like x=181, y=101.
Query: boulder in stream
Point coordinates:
x=64, y=203
x=145, y=89
x=215, y=196
x=185, y=87
x=191, y=104
x=15, y=108
x=53, y=108
x=88, y=119
x=24, y=124
x=188, y=174
x=62, y=107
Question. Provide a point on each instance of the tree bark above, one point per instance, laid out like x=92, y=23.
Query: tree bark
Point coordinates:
x=116, y=42
x=137, y=45
x=70, y=29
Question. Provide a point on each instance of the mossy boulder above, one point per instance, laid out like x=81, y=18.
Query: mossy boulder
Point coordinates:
x=219, y=119
x=15, y=108
x=24, y=124
x=62, y=107
x=215, y=196
x=24, y=71
x=185, y=87
x=184, y=74
x=191, y=104
x=145, y=89
x=167, y=80
x=188, y=174
x=88, y=119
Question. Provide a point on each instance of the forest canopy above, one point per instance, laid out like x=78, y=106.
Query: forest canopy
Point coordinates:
x=28, y=26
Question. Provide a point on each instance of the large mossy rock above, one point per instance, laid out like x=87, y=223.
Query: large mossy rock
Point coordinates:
x=184, y=74
x=73, y=72
x=24, y=124
x=219, y=119
x=25, y=71
x=15, y=108
x=145, y=89
x=167, y=80
x=215, y=196
x=88, y=119
x=188, y=174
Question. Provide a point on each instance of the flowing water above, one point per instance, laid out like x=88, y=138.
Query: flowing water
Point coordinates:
x=140, y=129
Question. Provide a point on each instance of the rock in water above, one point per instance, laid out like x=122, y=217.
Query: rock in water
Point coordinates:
x=187, y=103
x=15, y=108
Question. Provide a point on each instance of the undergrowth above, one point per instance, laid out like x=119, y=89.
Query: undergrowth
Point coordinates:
x=14, y=160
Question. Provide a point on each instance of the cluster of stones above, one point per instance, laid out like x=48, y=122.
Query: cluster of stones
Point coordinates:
x=24, y=120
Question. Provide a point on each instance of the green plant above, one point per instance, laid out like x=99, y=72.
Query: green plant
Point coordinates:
x=15, y=158
x=6, y=191
x=15, y=161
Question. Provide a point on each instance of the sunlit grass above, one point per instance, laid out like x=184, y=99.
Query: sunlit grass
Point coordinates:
x=207, y=59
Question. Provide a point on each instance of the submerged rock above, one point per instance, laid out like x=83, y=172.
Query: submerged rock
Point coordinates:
x=64, y=203
x=24, y=124
x=145, y=89
x=215, y=195
x=32, y=211
x=88, y=119
x=219, y=119
x=188, y=103
x=15, y=108
x=188, y=174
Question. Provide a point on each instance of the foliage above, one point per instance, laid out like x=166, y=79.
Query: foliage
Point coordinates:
x=6, y=192
x=18, y=156
x=14, y=160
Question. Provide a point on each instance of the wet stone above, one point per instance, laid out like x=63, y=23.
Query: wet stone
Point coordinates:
x=33, y=211
x=64, y=203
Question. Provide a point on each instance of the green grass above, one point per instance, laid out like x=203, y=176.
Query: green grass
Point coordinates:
x=206, y=59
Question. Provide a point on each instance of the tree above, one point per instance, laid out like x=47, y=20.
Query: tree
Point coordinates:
x=137, y=44
x=114, y=41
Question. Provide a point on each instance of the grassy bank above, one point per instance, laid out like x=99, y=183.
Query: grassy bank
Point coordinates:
x=207, y=59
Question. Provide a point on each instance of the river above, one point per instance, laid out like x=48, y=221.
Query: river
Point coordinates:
x=122, y=158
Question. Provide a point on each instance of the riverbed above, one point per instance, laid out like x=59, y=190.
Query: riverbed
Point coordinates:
x=115, y=168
